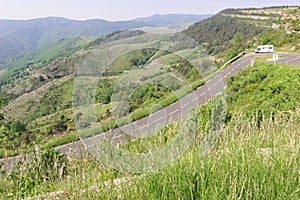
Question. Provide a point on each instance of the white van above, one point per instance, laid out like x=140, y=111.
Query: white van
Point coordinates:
x=264, y=49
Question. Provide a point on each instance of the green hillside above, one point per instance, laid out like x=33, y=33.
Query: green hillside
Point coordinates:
x=132, y=60
x=264, y=90
x=18, y=66
x=217, y=32
x=254, y=158
x=234, y=30
x=255, y=147
x=37, y=89
x=20, y=75
x=23, y=36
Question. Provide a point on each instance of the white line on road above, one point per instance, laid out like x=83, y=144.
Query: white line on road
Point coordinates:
x=171, y=113
x=294, y=59
x=158, y=119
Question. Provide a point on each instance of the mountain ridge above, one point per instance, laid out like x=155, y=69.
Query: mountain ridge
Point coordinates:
x=170, y=19
x=22, y=36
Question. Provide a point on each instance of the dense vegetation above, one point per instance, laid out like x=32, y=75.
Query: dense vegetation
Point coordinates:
x=219, y=33
x=264, y=90
x=280, y=40
x=133, y=60
x=233, y=30
x=249, y=162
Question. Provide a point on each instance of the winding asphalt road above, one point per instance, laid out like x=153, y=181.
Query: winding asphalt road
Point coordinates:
x=147, y=125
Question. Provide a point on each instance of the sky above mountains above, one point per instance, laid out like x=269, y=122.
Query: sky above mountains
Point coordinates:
x=122, y=9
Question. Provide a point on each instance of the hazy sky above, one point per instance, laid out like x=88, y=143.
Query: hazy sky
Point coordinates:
x=121, y=9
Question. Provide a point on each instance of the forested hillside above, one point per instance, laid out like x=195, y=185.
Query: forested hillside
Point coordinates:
x=234, y=30
x=217, y=32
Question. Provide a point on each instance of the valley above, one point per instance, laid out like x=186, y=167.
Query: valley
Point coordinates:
x=137, y=99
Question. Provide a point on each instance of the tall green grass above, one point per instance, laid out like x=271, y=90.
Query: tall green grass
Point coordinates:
x=249, y=162
x=256, y=156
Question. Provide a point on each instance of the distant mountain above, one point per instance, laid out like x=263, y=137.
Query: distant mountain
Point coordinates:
x=170, y=19
x=21, y=36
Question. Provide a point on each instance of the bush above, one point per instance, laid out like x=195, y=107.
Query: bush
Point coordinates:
x=27, y=176
x=264, y=89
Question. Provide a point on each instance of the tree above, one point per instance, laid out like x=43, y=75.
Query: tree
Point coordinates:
x=4, y=134
x=17, y=127
x=238, y=40
x=237, y=43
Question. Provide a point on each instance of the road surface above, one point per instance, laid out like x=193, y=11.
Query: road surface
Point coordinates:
x=147, y=125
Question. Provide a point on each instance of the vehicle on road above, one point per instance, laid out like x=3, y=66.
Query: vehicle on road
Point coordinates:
x=264, y=49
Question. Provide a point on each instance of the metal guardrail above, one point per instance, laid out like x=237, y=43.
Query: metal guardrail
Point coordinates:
x=232, y=60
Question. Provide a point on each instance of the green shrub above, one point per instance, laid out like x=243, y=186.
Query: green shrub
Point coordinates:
x=29, y=177
x=264, y=89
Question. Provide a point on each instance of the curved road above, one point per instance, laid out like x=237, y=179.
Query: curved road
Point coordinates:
x=173, y=112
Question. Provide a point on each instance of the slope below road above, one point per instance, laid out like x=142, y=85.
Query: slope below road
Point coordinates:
x=173, y=112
